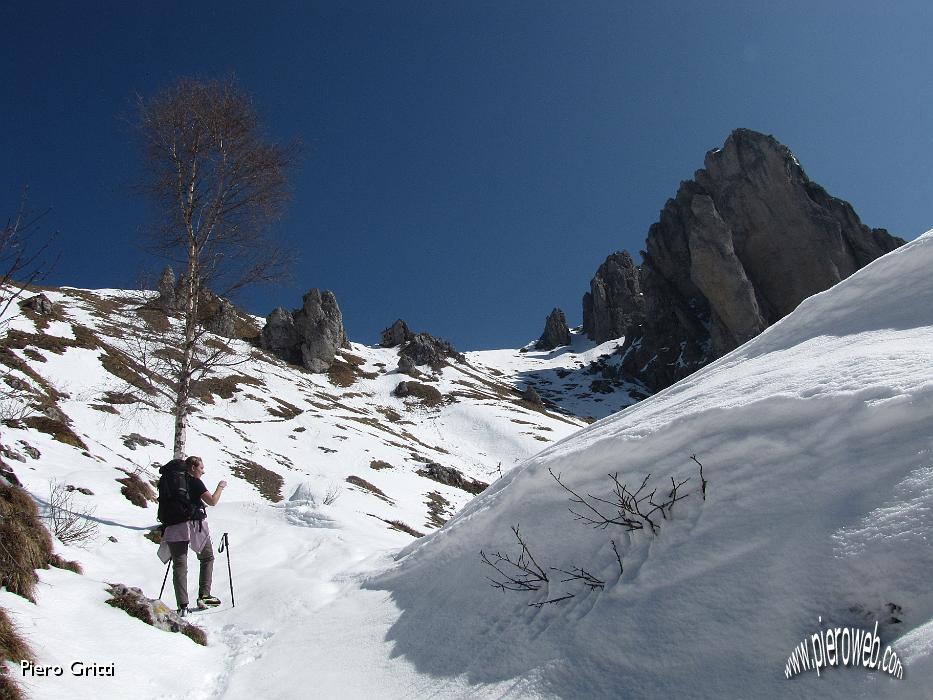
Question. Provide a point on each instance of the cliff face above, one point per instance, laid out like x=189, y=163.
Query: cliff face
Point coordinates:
x=737, y=249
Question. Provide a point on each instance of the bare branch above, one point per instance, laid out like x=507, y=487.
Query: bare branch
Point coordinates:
x=517, y=574
x=542, y=603
x=578, y=574
x=618, y=557
x=703, y=481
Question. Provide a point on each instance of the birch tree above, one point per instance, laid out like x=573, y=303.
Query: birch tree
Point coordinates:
x=216, y=183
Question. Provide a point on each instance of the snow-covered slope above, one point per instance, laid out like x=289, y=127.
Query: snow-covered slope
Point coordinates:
x=819, y=513
x=269, y=429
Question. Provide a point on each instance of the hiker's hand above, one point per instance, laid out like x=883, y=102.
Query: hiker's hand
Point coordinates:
x=222, y=485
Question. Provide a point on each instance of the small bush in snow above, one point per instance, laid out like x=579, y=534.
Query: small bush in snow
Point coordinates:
x=69, y=522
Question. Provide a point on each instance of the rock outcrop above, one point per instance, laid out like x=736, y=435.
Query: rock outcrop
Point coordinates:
x=217, y=315
x=309, y=336
x=396, y=334
x=425, y=349
x=40, y=303
x=615, y=302
x=737, y=249
x=556, y=332
x=167, y=300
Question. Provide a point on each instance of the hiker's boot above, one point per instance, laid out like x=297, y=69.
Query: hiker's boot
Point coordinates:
x=207, y=601
x=181, y=612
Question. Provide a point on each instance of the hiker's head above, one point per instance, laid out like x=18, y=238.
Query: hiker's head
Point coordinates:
x=195, y=466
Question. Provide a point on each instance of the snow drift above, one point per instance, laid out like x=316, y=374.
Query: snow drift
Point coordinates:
x=815, y=441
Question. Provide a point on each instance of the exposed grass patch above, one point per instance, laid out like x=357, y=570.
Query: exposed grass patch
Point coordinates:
x=439, y=509
x=267, y=482
x=379, y=464
x=284, y=409
x=57, y=429
x=168, y=354
x=104, y=408
x=427, y=395
x=119, y=398
x=134, y=440
x=13, y=648
x=371, y=488
x=399, y=525
x=194, y=633
x=25, y=544
x=155, y=319
x=34, y=355
x=137, y=491
x=246, y=329
x=61, y=563
x=42, y=321
x=102, y=307
x=10, y=360
x=354, y=360
x=222, y=387
x=341, y=374
x=122, y=367
x=390, y=413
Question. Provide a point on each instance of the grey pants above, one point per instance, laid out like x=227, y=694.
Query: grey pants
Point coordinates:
x=179, y=551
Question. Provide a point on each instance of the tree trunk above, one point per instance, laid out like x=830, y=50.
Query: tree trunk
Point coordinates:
x=183, y=392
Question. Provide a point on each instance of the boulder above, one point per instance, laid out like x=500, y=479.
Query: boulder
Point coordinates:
x=450, y=476
x=556, y=332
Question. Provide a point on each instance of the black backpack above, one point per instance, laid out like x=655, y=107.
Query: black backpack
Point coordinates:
x=176, y=504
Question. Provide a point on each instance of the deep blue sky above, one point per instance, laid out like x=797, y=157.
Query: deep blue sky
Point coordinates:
x=468, y=164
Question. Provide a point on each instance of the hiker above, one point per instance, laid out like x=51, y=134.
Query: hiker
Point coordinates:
x=182, y=497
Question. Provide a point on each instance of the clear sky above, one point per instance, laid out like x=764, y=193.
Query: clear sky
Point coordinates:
x=468, y=164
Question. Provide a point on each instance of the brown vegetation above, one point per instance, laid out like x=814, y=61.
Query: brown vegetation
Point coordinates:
x=25, y=545
x=371, y=488
x=137, y=491
x=13, y=648
x=268, y=483
x=439, y=509
x=285, y=409
x=222, y=387
x=57, y=429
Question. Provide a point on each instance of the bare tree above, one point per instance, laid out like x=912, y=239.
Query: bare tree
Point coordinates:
x=216, y=183
x=24, y=261
x=21, y=254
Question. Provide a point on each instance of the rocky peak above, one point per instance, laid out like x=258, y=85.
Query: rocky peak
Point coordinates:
x=556, y=332
x=737, y=249
x=614, y=305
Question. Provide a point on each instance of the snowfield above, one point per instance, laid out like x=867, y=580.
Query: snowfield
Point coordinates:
x=814, y=439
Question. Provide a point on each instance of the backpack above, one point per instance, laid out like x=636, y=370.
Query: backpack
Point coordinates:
x=175, y=502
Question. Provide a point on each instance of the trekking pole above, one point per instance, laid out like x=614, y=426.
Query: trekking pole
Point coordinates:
x=166, y=578
x=225, y=544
